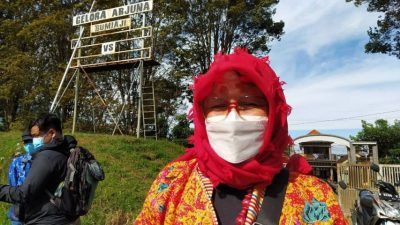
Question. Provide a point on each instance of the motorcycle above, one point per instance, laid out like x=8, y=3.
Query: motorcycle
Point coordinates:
x=376, y=208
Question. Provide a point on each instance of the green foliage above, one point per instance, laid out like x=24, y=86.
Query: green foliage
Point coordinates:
x=130, y=165
x=35, y=48
x=182, y=130
x=191, y=32
x=387, y=136
x=162, y=126
x=384, y=38
x=392, y=158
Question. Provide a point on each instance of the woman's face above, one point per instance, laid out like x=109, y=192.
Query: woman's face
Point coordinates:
x=232, y=91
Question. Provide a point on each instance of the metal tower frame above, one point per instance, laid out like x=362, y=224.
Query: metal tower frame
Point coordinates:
x=141, y=56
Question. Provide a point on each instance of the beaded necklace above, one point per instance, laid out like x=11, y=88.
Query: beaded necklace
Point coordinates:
x=251, y=203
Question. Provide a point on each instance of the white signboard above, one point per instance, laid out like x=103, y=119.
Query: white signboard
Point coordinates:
x=108, y=48
x=125, y=10
x=112, y=25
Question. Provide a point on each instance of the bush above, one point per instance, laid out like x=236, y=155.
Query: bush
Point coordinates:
x=182, y=130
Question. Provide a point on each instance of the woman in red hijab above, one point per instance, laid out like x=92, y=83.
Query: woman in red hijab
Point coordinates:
x=234, y=172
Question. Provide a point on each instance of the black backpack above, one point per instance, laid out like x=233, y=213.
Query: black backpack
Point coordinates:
x=74, y=196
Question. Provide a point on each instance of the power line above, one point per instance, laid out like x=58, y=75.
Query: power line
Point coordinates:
x=345, y=118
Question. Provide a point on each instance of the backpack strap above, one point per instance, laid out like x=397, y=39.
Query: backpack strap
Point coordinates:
x=271, y=207
x=51, y=196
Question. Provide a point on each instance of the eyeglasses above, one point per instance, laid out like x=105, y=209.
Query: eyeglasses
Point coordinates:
x=246, y=105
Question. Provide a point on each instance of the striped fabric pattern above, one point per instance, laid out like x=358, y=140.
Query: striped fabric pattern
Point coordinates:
x=257, y=196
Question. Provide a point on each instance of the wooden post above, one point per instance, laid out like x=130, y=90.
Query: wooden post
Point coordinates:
x=352, y=154
x=375, y=158
x=76, y=102
x=140, y=100
x=76, y=92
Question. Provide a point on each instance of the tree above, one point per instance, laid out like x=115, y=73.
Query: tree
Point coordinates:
x=182, y=129
x=387, y=136
x=385, y=37
x=35, y=48
x=192, y=32
x=393, y=158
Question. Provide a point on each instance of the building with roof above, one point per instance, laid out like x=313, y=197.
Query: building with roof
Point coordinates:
x=318, y=148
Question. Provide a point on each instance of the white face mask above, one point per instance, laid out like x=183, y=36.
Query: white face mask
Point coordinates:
x=236, y=138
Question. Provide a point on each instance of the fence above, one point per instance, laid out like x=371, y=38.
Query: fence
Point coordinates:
x=390, y=173
x=360, y=176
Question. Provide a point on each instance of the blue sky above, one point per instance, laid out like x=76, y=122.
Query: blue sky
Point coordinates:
x=321, y=57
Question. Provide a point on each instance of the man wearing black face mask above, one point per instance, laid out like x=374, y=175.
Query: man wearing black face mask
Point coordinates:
x=48, y=169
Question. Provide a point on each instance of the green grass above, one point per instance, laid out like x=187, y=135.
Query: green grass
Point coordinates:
x=130, y=165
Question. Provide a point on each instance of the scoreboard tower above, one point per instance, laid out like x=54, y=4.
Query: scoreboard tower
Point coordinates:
x=115, y=39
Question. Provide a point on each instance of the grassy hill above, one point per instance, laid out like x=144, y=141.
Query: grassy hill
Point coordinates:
x=130, y=165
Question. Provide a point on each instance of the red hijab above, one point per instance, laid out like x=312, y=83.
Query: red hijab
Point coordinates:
x=299, y=164
x=262, y=168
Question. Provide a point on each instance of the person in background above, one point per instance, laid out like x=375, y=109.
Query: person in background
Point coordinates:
x=19, y=169
x=48, y=170
x=234, y=174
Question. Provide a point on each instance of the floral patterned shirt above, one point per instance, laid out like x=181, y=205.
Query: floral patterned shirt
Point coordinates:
x=178, y=196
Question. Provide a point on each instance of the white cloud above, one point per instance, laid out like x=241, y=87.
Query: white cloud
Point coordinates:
x=321, y=56
x=313, y=24
x=351, y=92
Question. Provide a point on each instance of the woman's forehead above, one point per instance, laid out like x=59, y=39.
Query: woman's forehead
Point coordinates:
x=233, y=83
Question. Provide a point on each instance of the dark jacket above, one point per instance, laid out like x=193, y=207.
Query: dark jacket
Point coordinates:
x=48, y=169
x=227, y=201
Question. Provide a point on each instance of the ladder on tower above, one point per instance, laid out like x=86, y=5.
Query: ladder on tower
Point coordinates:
x=149, y=110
